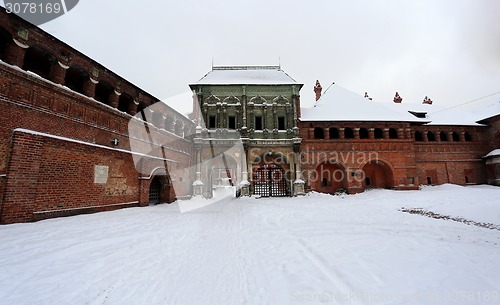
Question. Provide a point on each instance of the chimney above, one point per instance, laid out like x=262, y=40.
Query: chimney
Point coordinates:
x=427, y=101
x=367, y=96
x=317, y=90
x=397, y=99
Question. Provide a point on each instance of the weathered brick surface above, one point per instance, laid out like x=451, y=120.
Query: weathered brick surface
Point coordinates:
x=41, y=176
x=407, y=162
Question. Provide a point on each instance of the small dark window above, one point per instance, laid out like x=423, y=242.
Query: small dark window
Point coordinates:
x=429, y=180
x=443, y=136
x=319, y=133
x=231, y=122
x=334, y=133
x=430, y=136
x=378, y=133
x=368, y=181
x=324, y=182
x=418, y=136
x=363, y=133
x=455, y=136
x=348, y=133
x=258, y=123
x=467, y=179
x=281, y=123
x=393, y=133
x=468, y=136
x=211, y=121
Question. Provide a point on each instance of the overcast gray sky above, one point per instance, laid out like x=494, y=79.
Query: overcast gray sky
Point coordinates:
x=448, y=50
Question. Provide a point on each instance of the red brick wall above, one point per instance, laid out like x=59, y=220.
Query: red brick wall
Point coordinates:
x=409, y=162
x=47, y=174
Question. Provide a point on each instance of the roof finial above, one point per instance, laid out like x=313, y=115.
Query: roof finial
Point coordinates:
x=427, y=100
x=317, y=90
x=279, y=62
x=397, y=99
x=212, y=63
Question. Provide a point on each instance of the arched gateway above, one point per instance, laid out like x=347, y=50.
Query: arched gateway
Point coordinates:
x=270, y=180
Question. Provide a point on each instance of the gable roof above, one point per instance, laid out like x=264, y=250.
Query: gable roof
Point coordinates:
x=246, y=75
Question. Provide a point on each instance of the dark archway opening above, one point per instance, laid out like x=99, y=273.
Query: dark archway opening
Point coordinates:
x=443, y=136
x=103, y=90
x=334, y=133
x=39, y=61
x=363, y=133
x=348, y=133
x=418, y=136
x=125, y=103
x=5, y=41
x=393, y=133
x=378, y=133
x=430, y=136
x=319, y=133
x=75, y=79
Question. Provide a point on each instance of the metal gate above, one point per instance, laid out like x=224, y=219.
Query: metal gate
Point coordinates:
x=270, y=180
x=154, y=191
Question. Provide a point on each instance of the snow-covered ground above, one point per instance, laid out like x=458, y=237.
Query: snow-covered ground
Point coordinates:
x=318, y=249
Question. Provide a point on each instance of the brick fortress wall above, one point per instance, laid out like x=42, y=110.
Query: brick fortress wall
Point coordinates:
x=48, y=87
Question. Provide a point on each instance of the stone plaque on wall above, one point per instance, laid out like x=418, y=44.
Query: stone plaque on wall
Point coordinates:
x=101, y=174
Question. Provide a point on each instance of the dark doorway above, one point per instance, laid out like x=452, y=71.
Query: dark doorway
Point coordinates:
x=155, y=191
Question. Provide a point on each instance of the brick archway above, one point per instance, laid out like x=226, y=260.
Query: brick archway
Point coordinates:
x=378, y=174
x=329, y=178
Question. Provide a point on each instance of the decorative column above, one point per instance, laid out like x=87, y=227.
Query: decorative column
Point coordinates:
x=371, y=133
x=89, y=87
x=244, y=184
x=58, y=73
x=342, y=133
x=298, y=184
x=401, y=134
x=327, y=133
x=113, y=98
x=198, y=184
x=356, y=133
x=16, y=52
x=386, y=133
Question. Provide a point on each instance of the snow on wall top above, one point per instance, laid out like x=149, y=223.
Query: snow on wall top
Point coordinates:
x=340, y=104
x=246, y=75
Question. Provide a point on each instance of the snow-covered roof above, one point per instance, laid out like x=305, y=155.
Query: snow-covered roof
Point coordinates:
x=246, y=75
x=468, y=114
x=493, y=153
x=340, y=104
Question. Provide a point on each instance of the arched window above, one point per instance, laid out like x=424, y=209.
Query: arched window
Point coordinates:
x=378, y=133
x=334, y=133
x=39, y=61
x=443, y=137
x=126, y=103
x=103, y=90
x=430, y=136
x=418, y=136
x=363, y=133
x=455, y=136
x=319, y=133
x=468, y=136
x=393, y=133
x=348, y=133
x=75, y=78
